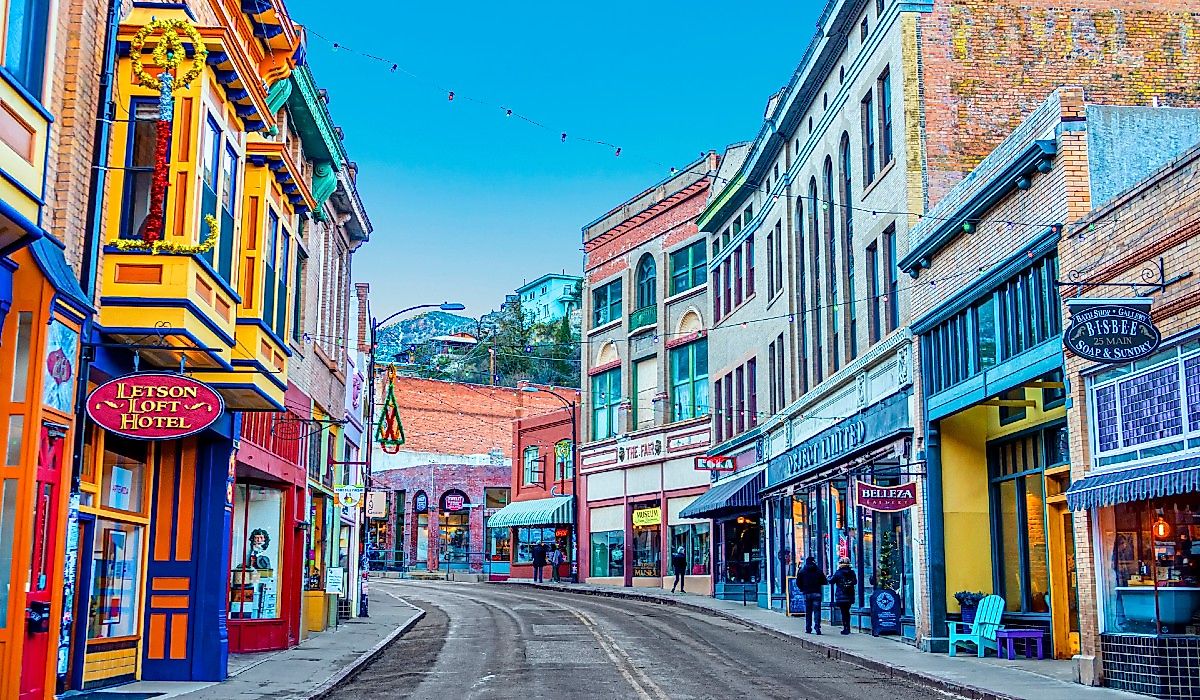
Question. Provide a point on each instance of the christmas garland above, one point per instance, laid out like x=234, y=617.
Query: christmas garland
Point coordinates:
x=168, y=53
x=163, y=246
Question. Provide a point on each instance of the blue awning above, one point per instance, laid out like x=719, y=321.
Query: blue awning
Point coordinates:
x=48, y=254
x=1135, y=484
x=556, y=510
x=738, y=493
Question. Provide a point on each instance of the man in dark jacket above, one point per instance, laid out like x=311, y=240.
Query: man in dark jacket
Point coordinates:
x=539, y=561
x=811, y=582
x=845, y=590
x=679, y=568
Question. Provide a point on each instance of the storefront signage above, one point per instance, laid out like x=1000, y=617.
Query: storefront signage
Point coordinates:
x=335, y=580
x=887, y=499
x=154, y=406
x=421, y=502
x=377, y=504
x=885, y=612
x=640, y=450
x=454, y=502
x=796, y=601
x=645, y=517
x=885, y=419
x=1111, y=332
x=349, y=496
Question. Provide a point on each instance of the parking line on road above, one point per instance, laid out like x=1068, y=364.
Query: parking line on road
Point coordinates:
x=624, y=664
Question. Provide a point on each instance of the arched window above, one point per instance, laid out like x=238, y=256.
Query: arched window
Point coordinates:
x=801, y=293
x=814, y=247
x=848, y=247
x=830, y=263
x=646, y=295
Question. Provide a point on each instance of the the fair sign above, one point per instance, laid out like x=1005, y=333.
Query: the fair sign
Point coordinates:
x=887, y=499
x=640, y=450
x=154, y=406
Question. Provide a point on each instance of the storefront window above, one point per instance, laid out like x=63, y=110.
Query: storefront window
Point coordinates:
x=314, y=559
x=1152, y=566
x=422, y=555
x=742, y=549
x=495, y=498
x=8, y=515
x=694, y=539
x=455, y=537
x=1019, y=522
x=124, y=472
x=608, y=553
x=116, y=561
x=499, y=546
x=529, y=536
x=647, y=539
x=784, y=563
x=254, y=566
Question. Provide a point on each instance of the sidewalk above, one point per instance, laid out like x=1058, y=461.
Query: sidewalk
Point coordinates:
x=307, y=671
x=985, y=679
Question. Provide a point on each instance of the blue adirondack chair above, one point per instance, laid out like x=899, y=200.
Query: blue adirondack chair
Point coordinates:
x=981, y=632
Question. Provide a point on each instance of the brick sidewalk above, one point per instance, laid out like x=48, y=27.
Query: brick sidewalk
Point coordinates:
x=987, y=679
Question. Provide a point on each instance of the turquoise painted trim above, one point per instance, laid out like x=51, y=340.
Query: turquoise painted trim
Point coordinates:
x=1031, y=364
x=33, y=101
x=988, y=281
x=263, y=370
x=313, y=121
x=999, y=185
x=736, y=442
x=201, y=315
x=270, y=333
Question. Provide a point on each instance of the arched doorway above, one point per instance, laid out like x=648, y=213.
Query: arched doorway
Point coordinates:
x=454, y=521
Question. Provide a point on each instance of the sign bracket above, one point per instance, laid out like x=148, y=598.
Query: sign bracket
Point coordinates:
x=1153, y=279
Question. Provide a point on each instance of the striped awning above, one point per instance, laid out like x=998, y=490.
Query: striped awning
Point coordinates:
x=737, y=493
x=1135, y=484
x=556, y=510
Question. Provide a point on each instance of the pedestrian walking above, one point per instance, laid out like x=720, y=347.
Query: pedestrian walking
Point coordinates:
x=539, y=561
x=679, y=568
x=811, y=582
x=845, y=589
x=555, y=558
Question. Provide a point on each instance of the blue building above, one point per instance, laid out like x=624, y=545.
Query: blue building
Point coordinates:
x=550, y=298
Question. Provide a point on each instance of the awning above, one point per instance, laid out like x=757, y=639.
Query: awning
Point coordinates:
x=1135, y=484
x=543, y=511
x=737, y=493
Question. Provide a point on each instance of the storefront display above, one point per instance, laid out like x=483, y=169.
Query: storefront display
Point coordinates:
x=116, y=566
x=694, y=541
x=608, y=554
x=647, y=542
x=739, y=550
x=256, y=560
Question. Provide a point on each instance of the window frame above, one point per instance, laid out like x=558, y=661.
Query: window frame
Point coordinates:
x=645, y=283
x=533, y=472
x=689, y=264
x=608, y=409
x=867, y=127
x=691, y=353
x=887, y=146
x=610, y=310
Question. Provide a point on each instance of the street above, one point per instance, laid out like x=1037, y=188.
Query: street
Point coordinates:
x=490, y=641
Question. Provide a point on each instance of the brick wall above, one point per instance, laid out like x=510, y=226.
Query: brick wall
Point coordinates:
x=544, y=431
x=987, y=63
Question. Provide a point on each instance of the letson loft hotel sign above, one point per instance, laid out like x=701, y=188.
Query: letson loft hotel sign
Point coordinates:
x=154, y=406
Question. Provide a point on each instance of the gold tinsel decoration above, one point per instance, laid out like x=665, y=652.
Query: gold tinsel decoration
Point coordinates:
x=165, y=247
x=168, y=53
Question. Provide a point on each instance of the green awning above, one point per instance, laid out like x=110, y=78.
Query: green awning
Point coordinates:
x=557, y=510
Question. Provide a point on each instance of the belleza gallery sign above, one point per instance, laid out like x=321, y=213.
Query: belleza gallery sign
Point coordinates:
x=154, y=406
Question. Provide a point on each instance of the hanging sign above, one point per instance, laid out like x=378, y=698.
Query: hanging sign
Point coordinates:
x=887, y=499
x=154, y=406
x=421, y=503
x=1111, y=330
x=453, y=502
x=377, y=504
x=645, y=517
x=349, y=496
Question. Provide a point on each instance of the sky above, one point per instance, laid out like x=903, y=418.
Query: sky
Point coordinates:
x=467, y=203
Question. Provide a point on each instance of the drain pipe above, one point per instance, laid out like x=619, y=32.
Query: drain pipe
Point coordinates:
x=105, y=114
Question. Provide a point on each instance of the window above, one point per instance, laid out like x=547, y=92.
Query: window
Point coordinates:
x=645, y=388
x=719, y=422
x=646, y=294
x=727, y=406
x=770, y=264
x=647, y=545
x=738, y=279
x=868, y=139
x=772, y=375
x=564, y=467
x=802, y=297
x=775, y=260
x=285, y=253
x=873, y=291
x=716, y=291
x=830, y=258
x=25, y=43
x=749, y=255
x=891, y=285
x=779, y=388
x=606, y=398
x=1012, y=414
x=884, y=88
x=693, y=540
x=608, y=554
x=863, y=29
x=739, y=386
x=727, y=274
x=606, y=303
x=116, y=570
x=529, y=536
x=301, y=270
x=879, y=7
x=1019, y=545
x=818, y=354
x=256, y=558
x=494, y=497
x=8, y=524
x=532, y=472
x=123, y=474
x=779, y=255
x=689, y=380
x=139, y=167
x=848, y=248
x=269, y=251
x=688, y=267
x=752, y=393
x=229, y=171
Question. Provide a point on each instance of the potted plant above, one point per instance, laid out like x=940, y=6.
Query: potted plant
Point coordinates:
x=968, y=602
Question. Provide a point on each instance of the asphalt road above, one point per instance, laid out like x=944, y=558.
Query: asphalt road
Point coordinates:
x=491, y=641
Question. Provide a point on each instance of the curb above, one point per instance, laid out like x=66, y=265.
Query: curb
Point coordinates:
x=365, y=658
x=930, y=681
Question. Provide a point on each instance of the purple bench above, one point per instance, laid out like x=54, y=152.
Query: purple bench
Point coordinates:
x=1005, y=636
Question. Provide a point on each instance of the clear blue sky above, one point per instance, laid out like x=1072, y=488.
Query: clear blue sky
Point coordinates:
x=467, y=204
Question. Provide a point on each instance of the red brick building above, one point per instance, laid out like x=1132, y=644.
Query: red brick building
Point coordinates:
x=453, y=469
x=543, y=478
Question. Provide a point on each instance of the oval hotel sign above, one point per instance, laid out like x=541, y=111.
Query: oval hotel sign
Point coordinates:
x=1111, y=333
x=154, y=406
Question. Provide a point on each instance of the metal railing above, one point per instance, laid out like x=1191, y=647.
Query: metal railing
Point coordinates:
x=645, y=316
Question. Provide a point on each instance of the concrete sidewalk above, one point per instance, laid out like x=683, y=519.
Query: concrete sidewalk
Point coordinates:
x=304, y=672
x=987, y=679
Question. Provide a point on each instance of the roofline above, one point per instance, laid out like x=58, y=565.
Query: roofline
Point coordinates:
x=551, y=275
x=689, y=169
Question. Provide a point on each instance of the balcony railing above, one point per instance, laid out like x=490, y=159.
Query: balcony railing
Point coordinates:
x=645, y=316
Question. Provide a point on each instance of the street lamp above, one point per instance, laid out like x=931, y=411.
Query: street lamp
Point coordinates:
x=570, y=406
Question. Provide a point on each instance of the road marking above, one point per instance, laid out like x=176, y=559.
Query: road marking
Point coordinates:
x=625, y=664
